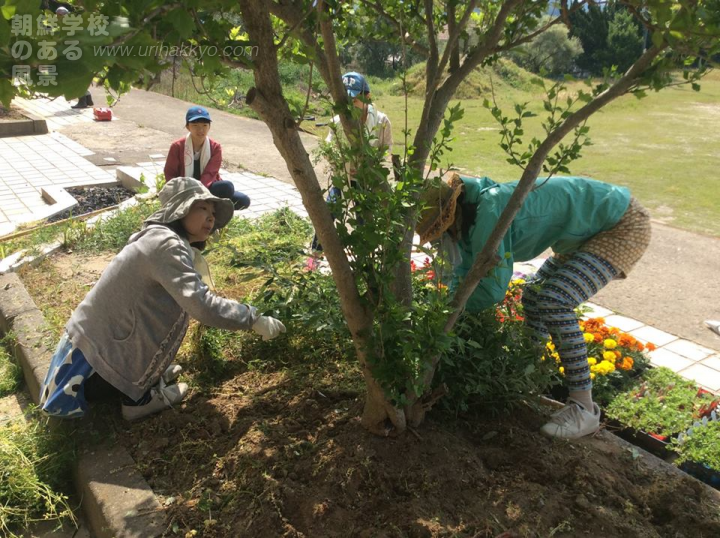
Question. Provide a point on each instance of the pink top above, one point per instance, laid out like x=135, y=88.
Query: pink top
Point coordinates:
x=175, y=164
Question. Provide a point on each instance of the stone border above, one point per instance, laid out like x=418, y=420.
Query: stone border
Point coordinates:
x=116, y=499
x=33, y=125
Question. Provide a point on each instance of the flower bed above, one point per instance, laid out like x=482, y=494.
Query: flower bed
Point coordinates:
x=648, y=407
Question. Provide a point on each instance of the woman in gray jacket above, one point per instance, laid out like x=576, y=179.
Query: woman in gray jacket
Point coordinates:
x=129, y=328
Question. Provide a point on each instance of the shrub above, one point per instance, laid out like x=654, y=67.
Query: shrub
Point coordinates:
x=494, y=364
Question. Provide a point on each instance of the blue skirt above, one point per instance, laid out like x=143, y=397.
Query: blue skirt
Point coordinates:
x=63, y=391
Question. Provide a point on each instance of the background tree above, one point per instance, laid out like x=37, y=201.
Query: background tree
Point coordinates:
x=553, y=52
x=391, y=329
x=594, y=26
x=624, y=40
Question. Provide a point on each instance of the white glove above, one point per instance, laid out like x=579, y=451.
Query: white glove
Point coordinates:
x=268, y=327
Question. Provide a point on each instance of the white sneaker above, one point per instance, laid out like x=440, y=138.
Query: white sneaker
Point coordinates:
x=163, y=397
x=572, y=421
x=713, y=325
x=172, y=373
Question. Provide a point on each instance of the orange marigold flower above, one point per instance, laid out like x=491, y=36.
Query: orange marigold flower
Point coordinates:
x=650, y=346
x=626, y=340
x=627, y=363
x=618, y=354
x=598, y=337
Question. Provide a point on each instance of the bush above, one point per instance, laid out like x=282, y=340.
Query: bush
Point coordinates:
x=553, y=51
x=493, y=366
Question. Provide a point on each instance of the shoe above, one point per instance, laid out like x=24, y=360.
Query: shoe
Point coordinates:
x=82, y=103
x=162, y=398
x=88, y=100
x=572, y=421
x=713, y=325
x=172, y=373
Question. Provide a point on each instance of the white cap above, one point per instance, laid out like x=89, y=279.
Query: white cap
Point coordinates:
x=62, y=10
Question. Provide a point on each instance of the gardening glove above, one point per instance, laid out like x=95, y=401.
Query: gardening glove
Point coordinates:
x=268, y=327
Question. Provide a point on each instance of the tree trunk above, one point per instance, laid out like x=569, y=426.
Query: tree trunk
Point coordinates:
x=380, y=416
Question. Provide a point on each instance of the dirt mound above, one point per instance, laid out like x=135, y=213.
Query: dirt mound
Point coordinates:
x=503, y=76
x=266, y=456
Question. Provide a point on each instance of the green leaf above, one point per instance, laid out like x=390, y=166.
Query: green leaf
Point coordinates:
x=658, y=39
x=695, y=86
x=4, y=33
x=182, y=21
x=8, y=11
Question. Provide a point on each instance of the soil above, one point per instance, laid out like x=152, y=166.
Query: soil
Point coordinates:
x=268, y=456
x=12, y=114
x=279, y=451
x=92, y=198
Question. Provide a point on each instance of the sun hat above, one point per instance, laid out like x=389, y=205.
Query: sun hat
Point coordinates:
x=439, y=203
x=195, y=113
x=355, y=84
x=178, y=196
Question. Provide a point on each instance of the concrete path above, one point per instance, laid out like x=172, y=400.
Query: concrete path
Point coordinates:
x=664, y=301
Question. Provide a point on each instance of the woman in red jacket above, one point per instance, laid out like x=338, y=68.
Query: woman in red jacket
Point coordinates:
x=197, y=156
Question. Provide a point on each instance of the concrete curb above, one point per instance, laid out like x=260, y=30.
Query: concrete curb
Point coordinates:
x=33, y=125
x=116, y=500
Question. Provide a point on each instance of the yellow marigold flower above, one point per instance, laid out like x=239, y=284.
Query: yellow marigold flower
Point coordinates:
x=562, y=370
x=607, y=367
x=550, y=346
x=592, y=361
x=556, y=357
x=609, y=343
x=589, y=337
x=592, y=375
x=609, y=356
x=517, y=281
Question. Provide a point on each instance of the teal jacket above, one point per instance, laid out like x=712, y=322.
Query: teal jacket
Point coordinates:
x=561, y=213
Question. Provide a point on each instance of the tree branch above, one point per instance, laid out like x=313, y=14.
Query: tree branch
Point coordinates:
x=454, y=33
x=417, y=47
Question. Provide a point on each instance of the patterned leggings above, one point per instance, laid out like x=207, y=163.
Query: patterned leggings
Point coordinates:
x=549, y=301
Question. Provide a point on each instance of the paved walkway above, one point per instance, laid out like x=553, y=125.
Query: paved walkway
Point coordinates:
x=29, y=163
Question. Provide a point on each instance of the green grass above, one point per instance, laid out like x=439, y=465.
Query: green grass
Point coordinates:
x=35, y=474
x=10, y=371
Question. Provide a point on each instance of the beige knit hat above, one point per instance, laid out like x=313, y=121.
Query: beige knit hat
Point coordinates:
x=178, y=196
x=439, y=204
